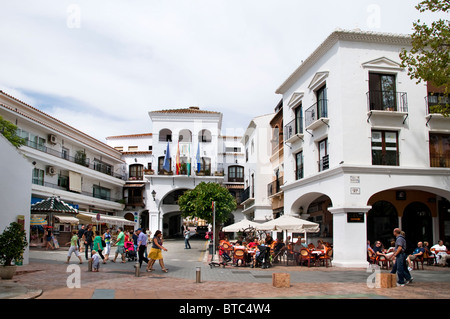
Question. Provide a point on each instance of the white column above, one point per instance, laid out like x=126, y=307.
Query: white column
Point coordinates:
x=349, y=238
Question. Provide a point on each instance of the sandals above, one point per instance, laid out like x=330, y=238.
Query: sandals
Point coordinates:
x=165, y=270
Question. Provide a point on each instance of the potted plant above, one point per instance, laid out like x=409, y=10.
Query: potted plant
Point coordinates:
x=13, y=242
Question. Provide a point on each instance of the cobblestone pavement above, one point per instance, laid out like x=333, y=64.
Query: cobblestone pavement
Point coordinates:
x=47, y=277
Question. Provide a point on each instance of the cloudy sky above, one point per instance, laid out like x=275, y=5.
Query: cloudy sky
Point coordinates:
x=101, y=66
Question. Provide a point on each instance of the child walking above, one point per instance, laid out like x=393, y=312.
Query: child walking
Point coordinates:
x=95, y=261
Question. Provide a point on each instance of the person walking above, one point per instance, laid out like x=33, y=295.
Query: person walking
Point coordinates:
x=107, y=240
x=80, y=238
x=74, y=247
x=88, y=235
x=119, y=243
x=98, y=246
x=400, y=266
x=155, y=252
x=142, y=245
x=49, y=239
x=187, y=235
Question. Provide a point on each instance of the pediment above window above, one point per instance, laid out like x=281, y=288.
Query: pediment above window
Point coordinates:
x=295, y=99
x=318, y=79
x=382, y=63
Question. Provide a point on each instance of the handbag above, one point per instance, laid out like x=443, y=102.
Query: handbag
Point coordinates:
x=207, y=236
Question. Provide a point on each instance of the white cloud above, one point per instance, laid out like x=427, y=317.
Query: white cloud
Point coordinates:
x=130, y=57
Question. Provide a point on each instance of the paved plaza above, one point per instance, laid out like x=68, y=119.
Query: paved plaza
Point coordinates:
x=48, y=277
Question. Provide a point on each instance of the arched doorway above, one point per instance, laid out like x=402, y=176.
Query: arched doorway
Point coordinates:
x=417, y=223
x=381, y=221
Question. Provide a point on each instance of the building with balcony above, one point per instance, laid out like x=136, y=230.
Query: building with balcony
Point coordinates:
x=363, y=154
x=81, y=170
x=274, y=190
x=184, y=148
x=258, y=170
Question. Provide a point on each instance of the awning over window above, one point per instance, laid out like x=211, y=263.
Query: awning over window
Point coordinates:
x=67, y=219
x=113, y=220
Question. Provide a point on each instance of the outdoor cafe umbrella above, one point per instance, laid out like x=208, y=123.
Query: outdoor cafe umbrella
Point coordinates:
x=239, y=226
x=37, y=221
x=290, y=223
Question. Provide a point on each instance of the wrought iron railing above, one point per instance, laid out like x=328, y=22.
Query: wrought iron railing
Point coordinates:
x=390, y=101
x=316, y=111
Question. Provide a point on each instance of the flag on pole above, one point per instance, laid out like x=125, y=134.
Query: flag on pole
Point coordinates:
x=188, y=165
x=177, y=162
x=199, y=166
x=166, y=165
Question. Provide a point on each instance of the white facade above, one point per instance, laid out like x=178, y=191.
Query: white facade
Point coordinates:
x=82, y=171
x=193, y=133
x=258, y=169
x=15, y=191
x=352, y=143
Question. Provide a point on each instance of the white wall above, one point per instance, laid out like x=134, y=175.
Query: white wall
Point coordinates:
x=15, y=188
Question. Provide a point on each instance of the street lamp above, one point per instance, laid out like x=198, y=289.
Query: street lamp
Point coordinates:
x=154, y=195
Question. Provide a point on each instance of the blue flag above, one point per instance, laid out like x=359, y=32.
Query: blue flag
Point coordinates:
x=199, y=166
x=166, y=165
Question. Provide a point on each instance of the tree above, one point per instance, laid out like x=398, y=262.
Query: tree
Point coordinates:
x=429, y=58
x=198, y=203
x=9, y=131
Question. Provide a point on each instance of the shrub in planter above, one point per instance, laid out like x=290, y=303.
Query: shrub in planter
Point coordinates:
x=13, y=242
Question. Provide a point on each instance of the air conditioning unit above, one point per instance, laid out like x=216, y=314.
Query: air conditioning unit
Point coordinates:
x=51, y=170
x=52, y=138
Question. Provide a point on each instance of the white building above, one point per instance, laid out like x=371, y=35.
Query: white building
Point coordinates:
x=364, y=153
x=258, y=169
x=192, y=135
x=82, y=171
x=15, y=194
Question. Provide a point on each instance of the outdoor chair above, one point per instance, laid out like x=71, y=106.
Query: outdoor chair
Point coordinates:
x=326, y=257
x=419, y=259
x=383, y=262
x=429, y=258
x=239, y=254
x=306, y=256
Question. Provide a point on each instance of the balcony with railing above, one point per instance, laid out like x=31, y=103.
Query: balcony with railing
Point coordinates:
x=387, y=103
x=324, y=163
x=293, y=131
x=274, y=187
x=80, y=159
x=317, y=115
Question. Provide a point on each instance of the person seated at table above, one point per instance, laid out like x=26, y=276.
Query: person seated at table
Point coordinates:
x=278, y=248
x=419, y=251
x=389, y=253
x=298, y=245
x=378, y=249
x=441, y=253
x=253, y=243
x=321, y=246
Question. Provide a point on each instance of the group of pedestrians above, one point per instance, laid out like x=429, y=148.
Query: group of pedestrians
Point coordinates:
x=87, y=239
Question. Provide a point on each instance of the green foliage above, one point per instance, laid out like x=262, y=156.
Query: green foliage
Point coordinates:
x=429, y=58
x=13, y=241
x=198, y=202
x=9, y=131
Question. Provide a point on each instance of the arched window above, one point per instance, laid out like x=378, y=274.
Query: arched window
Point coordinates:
x=165, y=135
x=204, y=136
x=185, y=136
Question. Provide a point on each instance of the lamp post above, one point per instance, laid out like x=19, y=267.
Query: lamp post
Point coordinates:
x=154, y=195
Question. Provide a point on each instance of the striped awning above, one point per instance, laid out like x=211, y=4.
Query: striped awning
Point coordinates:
x=67, y=219
x=113, y=220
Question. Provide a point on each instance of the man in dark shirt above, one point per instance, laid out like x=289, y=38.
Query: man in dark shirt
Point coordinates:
x=400, y=266
x=88, y=234
x=80, y=236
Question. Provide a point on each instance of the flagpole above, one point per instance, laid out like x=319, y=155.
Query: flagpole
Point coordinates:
x=214, y=231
